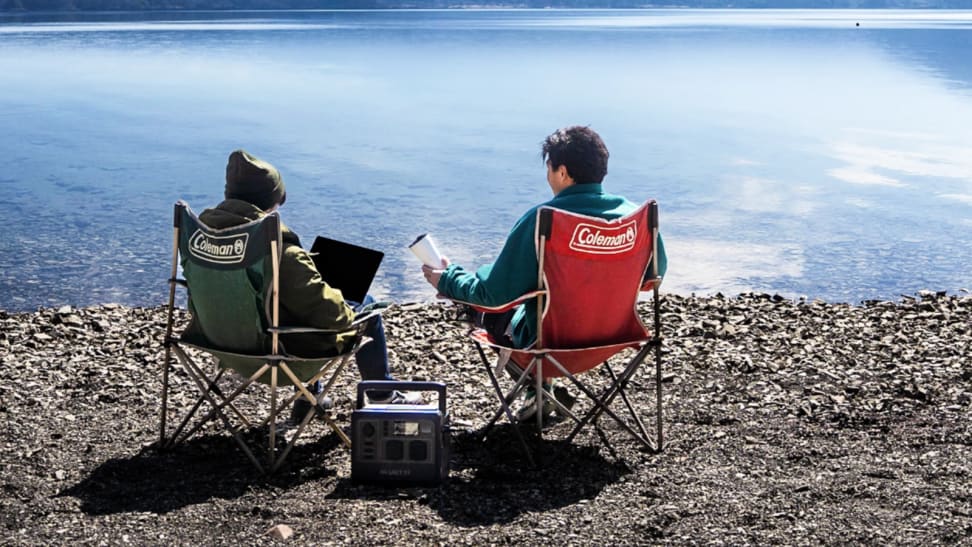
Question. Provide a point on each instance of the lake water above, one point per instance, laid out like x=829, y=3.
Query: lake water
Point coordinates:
x=817, y=153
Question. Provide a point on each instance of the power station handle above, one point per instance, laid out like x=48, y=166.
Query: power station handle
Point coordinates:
x=389, y=385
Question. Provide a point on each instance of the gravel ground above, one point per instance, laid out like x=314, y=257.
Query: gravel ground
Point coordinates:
x=787, y=422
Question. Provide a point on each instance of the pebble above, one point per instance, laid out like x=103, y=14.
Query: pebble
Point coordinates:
x=280, y=531
x=799, y=363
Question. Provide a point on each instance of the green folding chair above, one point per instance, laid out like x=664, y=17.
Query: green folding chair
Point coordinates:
x=232, y=277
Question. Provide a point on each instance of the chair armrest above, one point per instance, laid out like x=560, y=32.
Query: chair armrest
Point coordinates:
x=360, y=318
x=650, y=284
x=371, y=310
x=303, y=330
x=502, y=307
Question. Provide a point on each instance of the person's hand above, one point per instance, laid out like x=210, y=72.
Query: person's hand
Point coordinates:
x=432, y=275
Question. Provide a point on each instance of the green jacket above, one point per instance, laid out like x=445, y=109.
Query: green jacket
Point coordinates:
x=515, y=270
x=305, y=299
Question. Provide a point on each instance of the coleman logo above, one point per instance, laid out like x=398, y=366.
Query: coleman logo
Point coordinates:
x=588, y=238
x=220, y=249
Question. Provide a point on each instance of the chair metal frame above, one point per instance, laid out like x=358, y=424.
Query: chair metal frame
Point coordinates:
x=530, y=363
x=273, y=364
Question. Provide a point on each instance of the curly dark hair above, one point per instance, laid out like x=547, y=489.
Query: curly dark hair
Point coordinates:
x=579, y=148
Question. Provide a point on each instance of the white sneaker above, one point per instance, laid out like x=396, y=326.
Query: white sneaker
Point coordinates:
x=399, y=398
x=528, y=410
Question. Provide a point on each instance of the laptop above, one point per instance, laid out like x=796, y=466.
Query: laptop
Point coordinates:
x=344, y=266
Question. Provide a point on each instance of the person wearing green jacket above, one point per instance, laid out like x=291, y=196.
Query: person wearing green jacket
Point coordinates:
x=576, y=159
x=254, y=188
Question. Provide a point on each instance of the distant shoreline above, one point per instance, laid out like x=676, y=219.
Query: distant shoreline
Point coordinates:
x=53, y=6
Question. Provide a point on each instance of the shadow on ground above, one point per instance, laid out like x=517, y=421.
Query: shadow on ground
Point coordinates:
x=491, y=481
x=197, y=471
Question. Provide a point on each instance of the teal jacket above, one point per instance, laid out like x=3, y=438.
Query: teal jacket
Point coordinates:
x=514, y=272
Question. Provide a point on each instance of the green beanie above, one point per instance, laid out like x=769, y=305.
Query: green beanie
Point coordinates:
x=253, y=180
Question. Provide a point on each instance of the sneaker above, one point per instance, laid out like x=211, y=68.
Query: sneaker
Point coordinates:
x=528, y=410
x=302, y=406
x=564, y=398
x=300, y=409
x=398, y=398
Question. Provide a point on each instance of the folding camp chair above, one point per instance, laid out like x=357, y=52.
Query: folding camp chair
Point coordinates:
x=232, y=276
x=591, y=272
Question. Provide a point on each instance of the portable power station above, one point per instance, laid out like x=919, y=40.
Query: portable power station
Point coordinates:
x=395, y=443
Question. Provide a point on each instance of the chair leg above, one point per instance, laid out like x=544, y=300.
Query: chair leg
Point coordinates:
x=276, y=457
x=505, y=400
x=320, y=375
x=595, y=413
x=622, y=391
x=602, y=403
x=302, y=392
x=293, y=440
x=658, y=384
x=618, y=384
x=272, y=451
x=657, y=341
x=227, y=401
x=195, y=372
x=540, y=394
x=339, y=368
x=607, y=397
x=166, y=363
x=167, y=340
x=505, y=403
x=192, y=412
x=204, y=389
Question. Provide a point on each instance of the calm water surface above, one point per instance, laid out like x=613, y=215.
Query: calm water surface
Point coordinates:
x=791, y=151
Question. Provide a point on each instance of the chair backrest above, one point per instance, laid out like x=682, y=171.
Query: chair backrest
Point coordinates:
x=229, y=273
x=592, y=270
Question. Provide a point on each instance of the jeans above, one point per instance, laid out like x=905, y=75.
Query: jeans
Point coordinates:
x=372, y=358
x=497, y=325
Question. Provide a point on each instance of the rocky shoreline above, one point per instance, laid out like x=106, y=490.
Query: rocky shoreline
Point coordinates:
x=787, y=422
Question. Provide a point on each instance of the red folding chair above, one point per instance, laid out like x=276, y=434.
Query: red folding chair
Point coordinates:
x=591, y=272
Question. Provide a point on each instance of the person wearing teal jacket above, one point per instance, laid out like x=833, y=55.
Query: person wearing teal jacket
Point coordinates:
x=576, y=160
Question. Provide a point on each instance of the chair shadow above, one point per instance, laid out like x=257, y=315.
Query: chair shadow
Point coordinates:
x=491, y=481
x=204, y=468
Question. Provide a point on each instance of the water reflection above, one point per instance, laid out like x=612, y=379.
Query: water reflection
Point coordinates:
x=710, y=266
x=943, y=55
x=868, y=152
x=963, y=198
x=792, y=151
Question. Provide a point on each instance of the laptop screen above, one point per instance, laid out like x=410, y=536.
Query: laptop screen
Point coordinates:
x=344, y=266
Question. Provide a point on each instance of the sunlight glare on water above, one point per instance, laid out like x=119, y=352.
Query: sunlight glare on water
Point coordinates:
x=791, y=151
